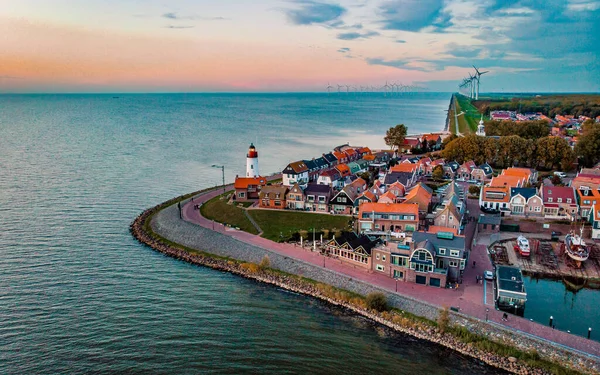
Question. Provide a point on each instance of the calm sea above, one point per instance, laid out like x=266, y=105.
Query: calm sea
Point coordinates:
x=79, y=295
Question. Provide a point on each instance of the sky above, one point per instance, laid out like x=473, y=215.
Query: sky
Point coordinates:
x=297, y=45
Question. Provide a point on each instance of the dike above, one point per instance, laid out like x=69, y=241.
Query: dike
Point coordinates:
x=143, y=229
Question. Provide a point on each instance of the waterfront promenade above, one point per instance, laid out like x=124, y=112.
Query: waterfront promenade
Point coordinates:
x=470, y=298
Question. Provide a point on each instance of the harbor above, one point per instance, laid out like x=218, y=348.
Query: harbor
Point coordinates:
x=549, y=259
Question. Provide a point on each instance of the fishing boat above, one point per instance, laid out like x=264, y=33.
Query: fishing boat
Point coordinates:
x=576, y=248
x=523, y=246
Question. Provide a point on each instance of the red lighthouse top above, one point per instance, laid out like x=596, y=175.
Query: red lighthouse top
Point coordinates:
x=252, y=153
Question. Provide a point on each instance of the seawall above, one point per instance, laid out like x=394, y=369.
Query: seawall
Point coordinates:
x=167, y=224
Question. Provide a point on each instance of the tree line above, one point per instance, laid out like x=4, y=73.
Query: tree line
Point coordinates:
x=524, y=129
x=576, y=105
x=546, y=152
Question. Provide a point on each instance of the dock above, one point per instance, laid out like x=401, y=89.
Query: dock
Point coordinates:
x=548, y=260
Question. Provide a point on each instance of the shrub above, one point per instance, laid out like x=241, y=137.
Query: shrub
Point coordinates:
x=377, y=301
x=264, y=263
x=250, y=267
x=325, y=233
x=303, y=234
x=443, y=320
x=474, y=190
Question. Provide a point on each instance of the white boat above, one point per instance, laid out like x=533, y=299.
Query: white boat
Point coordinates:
x=523, y=245
x=576, y=247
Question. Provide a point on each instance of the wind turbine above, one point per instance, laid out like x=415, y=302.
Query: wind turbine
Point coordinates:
x=385, y=88
x=329, y=87
x=339, y=87
x=347, y=89
x=478, y=74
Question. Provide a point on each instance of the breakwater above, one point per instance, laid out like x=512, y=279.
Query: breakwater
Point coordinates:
x=202, y=246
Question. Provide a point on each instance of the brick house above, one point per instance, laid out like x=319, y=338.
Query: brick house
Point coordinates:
x=559, y=202
x=317, y=198
x=331, y=177
x=273, y=196
x=464, y=171
x=295, y=198
x=594, y=218
x=587, y=198
x=482, y=173
x=409, y=144
x=384, y=218
x=421, y=195
x=343, y=201
x=431, y=258
x=526, y=202
x=248, y=188
x=495, y=197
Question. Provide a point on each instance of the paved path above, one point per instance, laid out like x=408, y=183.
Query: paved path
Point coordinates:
x=469, y=297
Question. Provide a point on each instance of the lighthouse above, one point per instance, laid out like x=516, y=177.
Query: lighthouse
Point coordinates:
x=252, y=162
x=481, y=128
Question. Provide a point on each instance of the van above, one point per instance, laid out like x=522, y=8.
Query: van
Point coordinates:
x=560, y=174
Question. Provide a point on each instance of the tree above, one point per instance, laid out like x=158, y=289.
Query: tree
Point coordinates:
x=588, y=147
x=437, y=173
x=474, y=190
x=471, y=147
x=367, y=177
x=553, y=152
x=448, y=139
x=557, y=181
x=511, y=149
x=394, y=137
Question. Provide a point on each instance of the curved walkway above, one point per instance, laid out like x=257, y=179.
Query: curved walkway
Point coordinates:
x=469, y=297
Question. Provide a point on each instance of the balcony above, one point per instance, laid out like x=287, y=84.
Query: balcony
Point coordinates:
x=440, y=271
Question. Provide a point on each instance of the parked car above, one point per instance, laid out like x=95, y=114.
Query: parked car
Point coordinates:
x=488, y=275
x=489, y=210
x=560, y=174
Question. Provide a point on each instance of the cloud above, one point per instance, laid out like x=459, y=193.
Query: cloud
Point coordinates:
x=175, y=16
x=313, y=12
x=400, y=41
x=179, y=27
x=400, y=64
x=344, y=50
x=413, y=15
x=356, y=35
x=463, y=50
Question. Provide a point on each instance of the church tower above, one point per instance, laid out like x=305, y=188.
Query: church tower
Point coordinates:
x=252, y=162
x=481, y=128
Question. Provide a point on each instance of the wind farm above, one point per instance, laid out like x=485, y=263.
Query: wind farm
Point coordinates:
x=387, y=89
x=470, y=86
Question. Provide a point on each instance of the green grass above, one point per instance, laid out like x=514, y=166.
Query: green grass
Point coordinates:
x=218, y=210
x=468, y=122
x=276, y=224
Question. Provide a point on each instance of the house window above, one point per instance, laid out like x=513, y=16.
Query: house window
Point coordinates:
x=251, y=166
x=383, y=258
x=453, y=263
x=379, y=267
x=454, y=253
x=443, y=217
x=442, y=251
x=568, y=200
x=549, y=200
x=241, y=195
x=450, y=217
x=559, y=200
x=377, y=256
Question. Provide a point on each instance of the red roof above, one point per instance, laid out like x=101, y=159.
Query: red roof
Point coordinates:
x=411, y=141
x=244, y=182
x=556, y=192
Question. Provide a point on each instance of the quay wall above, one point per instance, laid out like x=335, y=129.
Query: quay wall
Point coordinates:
x=167, y=224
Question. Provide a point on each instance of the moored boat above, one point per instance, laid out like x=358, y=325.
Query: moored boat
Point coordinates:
x=576, y=248
x=523, y=246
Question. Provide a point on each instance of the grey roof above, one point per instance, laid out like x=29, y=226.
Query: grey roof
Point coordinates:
x=456, y=243
x=489, y=219
x=453, y=165
x=402, y=177
x=510, y=279
x=310, y=164
x=330, y=158
x=315, y=189
x=486, y=168
x=321, y=162
x=525, y=192
x=357, y=240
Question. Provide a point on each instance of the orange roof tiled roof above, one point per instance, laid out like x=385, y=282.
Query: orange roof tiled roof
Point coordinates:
x=510, y=181
x=418, y=190
x=369, y=157
x=505, y=190
x=592, y=194
x=370, y=195
x=431, y=137
x=404, y=208
x=244, y=182
x=404, y=167
x=435, y=229
x=339, y=155
x=521, y=172
x=343, y=169
x=388, y=195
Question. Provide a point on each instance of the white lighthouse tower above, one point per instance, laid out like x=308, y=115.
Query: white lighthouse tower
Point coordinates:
x=252, y=162
x=481, y=128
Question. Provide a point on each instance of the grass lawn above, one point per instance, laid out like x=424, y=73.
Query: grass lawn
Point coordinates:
x=218, y=210
x=277, y=223
x=468, y=122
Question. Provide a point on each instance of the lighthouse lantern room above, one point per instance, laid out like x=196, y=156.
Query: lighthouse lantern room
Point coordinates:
x=252, y=162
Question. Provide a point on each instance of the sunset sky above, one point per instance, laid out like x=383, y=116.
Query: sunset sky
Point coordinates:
x=229, y=46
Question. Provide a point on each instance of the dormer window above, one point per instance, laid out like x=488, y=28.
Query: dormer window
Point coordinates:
x=549, y=200
x=559, y=200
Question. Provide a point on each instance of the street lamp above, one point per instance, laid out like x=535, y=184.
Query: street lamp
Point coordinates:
x=222, y=171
